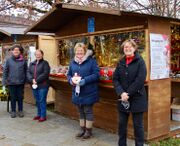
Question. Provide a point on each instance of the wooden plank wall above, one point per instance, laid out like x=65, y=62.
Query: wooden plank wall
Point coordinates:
x=102, y=22
x=159, y=91
x=159, y=108
x=105, y=111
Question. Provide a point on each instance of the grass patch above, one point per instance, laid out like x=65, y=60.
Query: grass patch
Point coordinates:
x=167, y=142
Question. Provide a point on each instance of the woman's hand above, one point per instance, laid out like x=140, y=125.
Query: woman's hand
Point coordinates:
x=34, y=81
x=124, y=96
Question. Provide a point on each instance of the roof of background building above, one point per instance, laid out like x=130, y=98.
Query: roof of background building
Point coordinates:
x=10, y=29
x=15, y=20
x=13, y=29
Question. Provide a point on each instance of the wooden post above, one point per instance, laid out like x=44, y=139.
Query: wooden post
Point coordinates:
x=159, y=93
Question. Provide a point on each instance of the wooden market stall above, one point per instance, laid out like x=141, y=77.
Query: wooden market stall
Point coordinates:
x=10, y=35
x=105, y=30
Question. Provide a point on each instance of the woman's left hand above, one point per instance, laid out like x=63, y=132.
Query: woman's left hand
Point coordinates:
x=124, y=96
x=34, y=81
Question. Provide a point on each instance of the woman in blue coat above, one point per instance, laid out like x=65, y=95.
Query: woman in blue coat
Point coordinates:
x=83, y=75
x=128, y=80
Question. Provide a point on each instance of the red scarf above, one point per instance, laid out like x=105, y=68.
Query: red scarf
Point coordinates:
x=129, y=59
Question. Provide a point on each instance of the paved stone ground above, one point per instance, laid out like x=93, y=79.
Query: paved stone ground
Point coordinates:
x=56, y=131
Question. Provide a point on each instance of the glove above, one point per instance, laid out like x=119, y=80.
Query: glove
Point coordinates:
x=82, y=82
x=4, y=89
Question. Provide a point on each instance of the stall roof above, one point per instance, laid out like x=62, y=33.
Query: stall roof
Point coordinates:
x=9, y=29
x=61, y=14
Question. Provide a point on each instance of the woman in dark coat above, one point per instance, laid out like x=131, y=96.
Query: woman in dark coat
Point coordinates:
x=128, y=81
x=83, y=75
x=38, y=76
x=14, y=76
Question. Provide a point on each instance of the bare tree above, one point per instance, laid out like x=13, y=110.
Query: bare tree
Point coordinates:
x=24, y=8
x=169, y=8
x=33, y=9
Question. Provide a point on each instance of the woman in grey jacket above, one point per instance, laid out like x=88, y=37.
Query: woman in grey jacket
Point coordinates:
x=14, y=75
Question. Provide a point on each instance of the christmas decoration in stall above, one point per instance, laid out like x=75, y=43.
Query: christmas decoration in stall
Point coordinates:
x=107, y=50
x=175, y=51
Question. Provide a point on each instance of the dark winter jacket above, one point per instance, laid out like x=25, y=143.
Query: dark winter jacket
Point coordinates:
x=40, y=73
x=89, y=71
x=14, y=72
x=130, y=78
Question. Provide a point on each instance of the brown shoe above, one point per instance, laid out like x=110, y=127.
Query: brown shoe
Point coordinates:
x=87, y=134
x=81, y=132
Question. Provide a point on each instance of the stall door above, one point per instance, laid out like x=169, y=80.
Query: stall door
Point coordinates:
x=49, y=47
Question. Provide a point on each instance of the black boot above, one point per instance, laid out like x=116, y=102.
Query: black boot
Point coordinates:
x=87, y=134
x=81, y=132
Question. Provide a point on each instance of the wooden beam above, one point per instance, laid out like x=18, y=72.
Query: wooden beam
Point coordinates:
x=19, y=42
x=112, y=31
x=174, y=22
x=91, y=9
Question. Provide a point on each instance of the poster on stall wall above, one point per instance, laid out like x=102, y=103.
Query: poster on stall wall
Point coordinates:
x=160, y=56
x=31, y=54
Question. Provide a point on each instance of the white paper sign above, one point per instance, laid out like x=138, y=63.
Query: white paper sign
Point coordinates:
x=31, y=54
x=160, y=56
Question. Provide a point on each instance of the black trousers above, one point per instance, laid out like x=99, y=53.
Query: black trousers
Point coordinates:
x=16, y=94
x=138, y=128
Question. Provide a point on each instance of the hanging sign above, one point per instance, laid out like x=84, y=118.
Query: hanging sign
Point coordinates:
x=31, y=54
x=14, y=37
x=91, y=24
x=160, y=56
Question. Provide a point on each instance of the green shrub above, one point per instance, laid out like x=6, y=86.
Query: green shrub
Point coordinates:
x=167, y=142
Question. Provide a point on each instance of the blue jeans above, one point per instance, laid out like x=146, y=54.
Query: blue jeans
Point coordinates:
x=138, y=128
x=86, y=112
x=40, y=95
x=16, y=94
